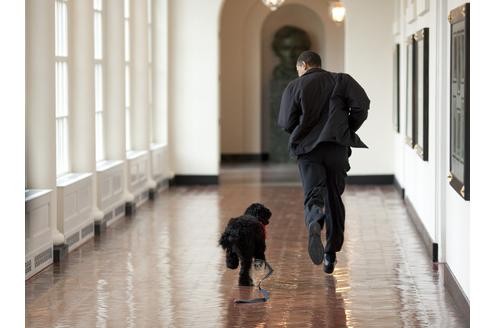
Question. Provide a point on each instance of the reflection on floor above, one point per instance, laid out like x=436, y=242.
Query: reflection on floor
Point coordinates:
x=163, y=268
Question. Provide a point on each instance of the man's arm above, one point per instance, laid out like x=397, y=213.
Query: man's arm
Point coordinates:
x=357, y=101
x=290, y=111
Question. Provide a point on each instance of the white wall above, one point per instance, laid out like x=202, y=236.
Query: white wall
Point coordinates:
x=443, y=212
x=193, y=86
x=457, y=218
x=419, y=176
x=369, y=58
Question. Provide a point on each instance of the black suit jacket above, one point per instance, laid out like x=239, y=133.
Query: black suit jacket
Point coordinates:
x=322, y=106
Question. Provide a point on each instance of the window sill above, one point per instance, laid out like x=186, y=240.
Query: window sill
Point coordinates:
x=71, y=178
x=133, y=154
x=105, y=165
x=30, y=194
x=157, y=146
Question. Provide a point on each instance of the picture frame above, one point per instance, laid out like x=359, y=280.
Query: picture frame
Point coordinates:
x=396, y=89
x=421, y=103
x=410, y=99
x=459, y=176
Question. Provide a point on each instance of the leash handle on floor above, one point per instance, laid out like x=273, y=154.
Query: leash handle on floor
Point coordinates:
x=266, y=294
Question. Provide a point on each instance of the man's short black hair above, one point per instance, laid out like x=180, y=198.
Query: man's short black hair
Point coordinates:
x=311, y=58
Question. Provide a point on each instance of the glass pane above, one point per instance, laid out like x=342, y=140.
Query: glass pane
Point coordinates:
x=150, y=85
x=150, y=18
x=65, y=90
x=420, y=90
x=409, y=92
x=62, y=146
x=127, y=41
x=97, y=5
x=98, y=35
x=99, y=136
x=150, y=44
x=98, y=88
x=61, y=28
x=127, y=9
x=65, y=31
x=61, y=89
x=127, y=86
x=127, y=129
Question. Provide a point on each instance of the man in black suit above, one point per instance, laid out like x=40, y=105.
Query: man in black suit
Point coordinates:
x=322, y=112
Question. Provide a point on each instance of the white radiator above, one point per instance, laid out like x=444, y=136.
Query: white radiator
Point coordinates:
x=110, y=189
x=74, y=214
x=137, y=175
x=38, y=235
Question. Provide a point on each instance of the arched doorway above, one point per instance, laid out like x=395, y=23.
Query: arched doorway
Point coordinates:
x=246, y=62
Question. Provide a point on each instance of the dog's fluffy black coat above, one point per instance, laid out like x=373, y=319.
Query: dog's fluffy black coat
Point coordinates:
x=244, y=239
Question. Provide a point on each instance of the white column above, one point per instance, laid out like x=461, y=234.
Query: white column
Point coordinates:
x=160, y=78
x=160, y=71
x=82, y=93
x=140, y=124
x=139, y=76
x=40, y=103
x=114, y=82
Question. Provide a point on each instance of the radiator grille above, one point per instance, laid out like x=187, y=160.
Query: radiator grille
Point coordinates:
x=89, y=229
x=28, y=267
x=108, y=216
x=73, y=239
x=43, y=257
x=119, y=210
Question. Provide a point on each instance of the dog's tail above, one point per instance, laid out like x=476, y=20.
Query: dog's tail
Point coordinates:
x=228, y=238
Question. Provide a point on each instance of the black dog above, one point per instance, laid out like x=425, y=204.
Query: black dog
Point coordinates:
x=244, y=239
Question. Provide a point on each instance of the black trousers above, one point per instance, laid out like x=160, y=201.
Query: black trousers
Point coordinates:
x=323, y=172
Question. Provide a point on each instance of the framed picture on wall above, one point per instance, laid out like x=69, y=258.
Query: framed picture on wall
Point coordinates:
x=410, y=92
x=459, y=100
x=420, y=134
x=396, y=91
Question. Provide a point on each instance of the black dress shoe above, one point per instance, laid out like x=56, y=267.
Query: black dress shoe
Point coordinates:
x=315, y=247
x=329, y=261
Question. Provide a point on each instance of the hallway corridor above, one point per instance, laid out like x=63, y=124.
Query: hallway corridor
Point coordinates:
x=163, y=268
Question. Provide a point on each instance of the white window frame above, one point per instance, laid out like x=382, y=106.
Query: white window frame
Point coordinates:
x=98, y=60
x=62, y=87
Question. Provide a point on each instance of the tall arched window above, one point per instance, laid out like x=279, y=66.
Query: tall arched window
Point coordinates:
x=62, y=85
x=98, y=45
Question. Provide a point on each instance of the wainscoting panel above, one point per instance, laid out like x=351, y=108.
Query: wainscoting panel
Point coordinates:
x=110, y=190
x=74, y=208
x=38, y=236
x=137, y=166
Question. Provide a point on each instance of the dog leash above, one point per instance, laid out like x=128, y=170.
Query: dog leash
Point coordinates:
x=266, y=294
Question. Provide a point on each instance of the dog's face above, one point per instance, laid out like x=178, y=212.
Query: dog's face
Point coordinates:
x=260, y=212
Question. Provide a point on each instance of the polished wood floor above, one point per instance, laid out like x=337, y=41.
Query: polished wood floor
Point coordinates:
x=163, y=268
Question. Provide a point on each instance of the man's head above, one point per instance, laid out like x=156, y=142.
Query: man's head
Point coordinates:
x=306, y=60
